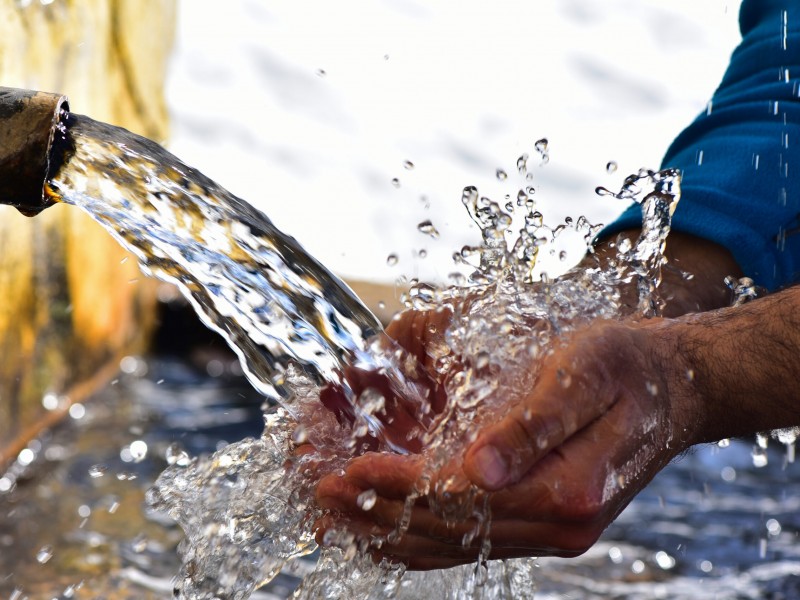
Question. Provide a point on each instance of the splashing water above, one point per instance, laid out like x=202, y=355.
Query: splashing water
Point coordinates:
x=248, y=509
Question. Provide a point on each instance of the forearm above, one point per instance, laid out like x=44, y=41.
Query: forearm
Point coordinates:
x=738, y=368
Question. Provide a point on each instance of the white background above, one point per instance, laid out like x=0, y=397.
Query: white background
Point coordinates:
x=458, y=88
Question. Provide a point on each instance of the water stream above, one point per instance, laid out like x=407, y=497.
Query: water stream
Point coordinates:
x=246, y=510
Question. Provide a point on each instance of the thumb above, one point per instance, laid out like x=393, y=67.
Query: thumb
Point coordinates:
x=573, y=389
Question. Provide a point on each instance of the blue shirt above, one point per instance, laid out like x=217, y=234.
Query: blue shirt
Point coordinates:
x=741, y=158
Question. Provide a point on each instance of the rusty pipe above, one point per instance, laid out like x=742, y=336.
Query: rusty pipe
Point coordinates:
x=30, y=121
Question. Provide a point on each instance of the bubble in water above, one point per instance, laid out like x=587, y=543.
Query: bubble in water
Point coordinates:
x=392, y=259
x=366, y=500
x=501, y=174
x=44, y=554
x=97, y=471
x=408, y=165
x=482, y=360
x=611, y=167
x=428, y=228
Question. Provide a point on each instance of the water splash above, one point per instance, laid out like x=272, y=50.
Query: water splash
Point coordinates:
x=248, y=508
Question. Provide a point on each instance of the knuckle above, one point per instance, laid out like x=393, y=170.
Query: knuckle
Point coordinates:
x=534, y=433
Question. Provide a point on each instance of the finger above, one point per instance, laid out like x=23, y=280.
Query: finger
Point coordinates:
x=574, y=388
x=392, y=476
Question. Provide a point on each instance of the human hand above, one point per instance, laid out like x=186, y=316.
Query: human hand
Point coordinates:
x=609, y=410
x=408, y=407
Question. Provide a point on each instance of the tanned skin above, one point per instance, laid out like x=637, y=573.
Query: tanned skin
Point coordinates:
x=565, y=460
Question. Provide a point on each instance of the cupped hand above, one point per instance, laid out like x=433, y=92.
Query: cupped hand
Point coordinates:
x=609, y=409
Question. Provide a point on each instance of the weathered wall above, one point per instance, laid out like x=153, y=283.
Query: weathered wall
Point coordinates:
x=70, y=303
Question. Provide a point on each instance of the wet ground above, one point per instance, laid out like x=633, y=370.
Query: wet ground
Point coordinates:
x=712, y=525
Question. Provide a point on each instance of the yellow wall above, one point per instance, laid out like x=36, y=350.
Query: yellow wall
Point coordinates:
x=70, y=304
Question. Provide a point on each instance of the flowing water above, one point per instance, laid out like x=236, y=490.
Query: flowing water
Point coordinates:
x=247, y=509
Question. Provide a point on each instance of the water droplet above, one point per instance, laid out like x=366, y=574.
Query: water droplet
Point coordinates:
x=601, y=191
x=690, y=374
x=624, y=246
x=562, y=256
x=422, y=253
x=396, y=182
x=392, y=260
x=522, y=164
x=138, y=450
x=501, y=175
x=428, y=228
x=760, y=457
x=611, y=167
x=300, y=435
x=482, y=360
x=44, y=554
x=408, y=165
x=321, y=73
x=664, y=560
x=366, y=500
x=615, y=554
x=176, y=455
x=564, y=378
x=724, y=443
x=97, y=471
x=542, y=148
x=652, y=388
x=773, y=527
x=139, y=544
x=728, y=474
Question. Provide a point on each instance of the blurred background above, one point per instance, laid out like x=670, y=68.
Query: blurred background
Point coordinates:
x=311, y=110
x=348, y=123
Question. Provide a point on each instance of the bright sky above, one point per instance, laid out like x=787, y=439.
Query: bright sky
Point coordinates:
x=309, y=109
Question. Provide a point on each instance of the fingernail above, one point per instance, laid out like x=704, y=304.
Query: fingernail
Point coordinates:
x=491, y=465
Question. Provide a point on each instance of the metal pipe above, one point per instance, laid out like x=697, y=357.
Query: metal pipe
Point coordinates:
x=29, y=123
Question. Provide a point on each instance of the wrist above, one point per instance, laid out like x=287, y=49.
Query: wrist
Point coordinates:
x=692, y=278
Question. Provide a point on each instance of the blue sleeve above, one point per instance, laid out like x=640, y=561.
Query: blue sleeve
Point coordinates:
x=741, y=158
